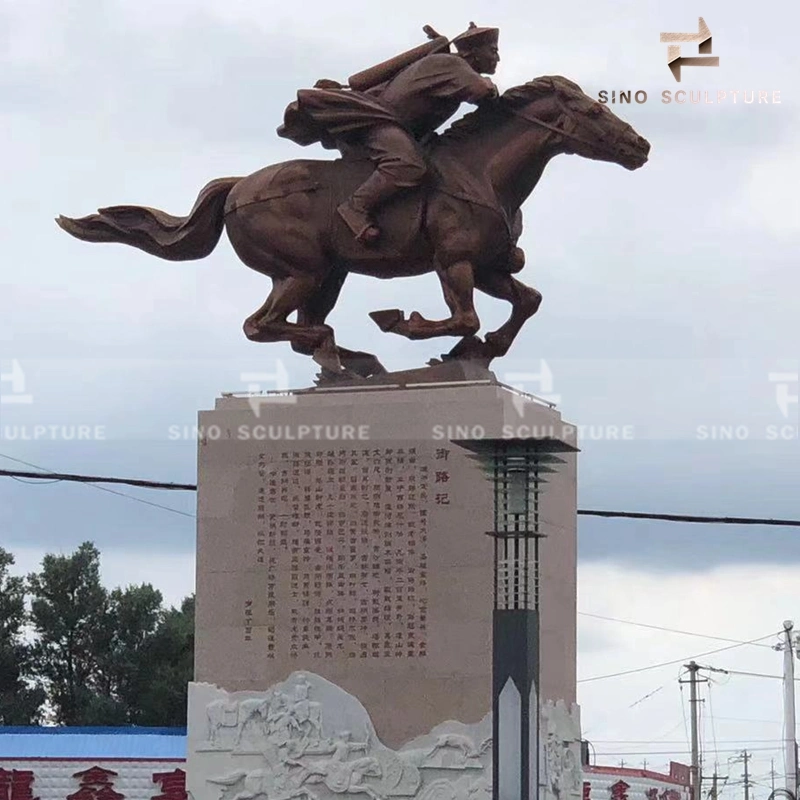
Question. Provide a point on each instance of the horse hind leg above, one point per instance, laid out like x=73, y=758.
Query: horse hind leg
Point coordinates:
x=270, y=324
x=524, y=300
x=315, y=312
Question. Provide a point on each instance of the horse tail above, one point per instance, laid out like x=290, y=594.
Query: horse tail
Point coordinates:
x=156, y=232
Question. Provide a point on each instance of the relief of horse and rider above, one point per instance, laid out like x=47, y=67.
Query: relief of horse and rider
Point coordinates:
x=303, y=750
x=403, y=199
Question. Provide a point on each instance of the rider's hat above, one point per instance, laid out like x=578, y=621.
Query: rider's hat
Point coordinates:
x=476, y=37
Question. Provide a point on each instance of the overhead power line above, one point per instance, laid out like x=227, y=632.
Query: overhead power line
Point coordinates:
x=585, y=512
x=747, y=674
x=669, y=630
x=789, y=523
x=681, y=741
x=73, y=478
x=44, y=472
x=684, y=752
x=674, y=661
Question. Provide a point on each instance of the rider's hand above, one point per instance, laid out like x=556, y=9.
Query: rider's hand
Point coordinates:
x=492, y=92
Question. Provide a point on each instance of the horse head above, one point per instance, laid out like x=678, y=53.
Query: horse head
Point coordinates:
x=586, y=127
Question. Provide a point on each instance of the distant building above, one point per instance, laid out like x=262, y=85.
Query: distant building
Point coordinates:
x=92, y=763
x=149, y=764
x=622, y=783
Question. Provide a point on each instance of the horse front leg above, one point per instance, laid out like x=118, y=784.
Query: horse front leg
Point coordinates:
x=458, y=285
x=525, y=302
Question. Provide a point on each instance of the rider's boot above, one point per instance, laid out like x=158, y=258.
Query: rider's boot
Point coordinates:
x=357, y=211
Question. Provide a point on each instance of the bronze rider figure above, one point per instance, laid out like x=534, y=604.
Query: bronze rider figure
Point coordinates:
x=397, y=105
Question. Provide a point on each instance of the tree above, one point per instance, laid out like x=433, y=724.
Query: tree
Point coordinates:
x=20, y=703
x=125, y=669
x=69, y=612
x=170, y=655
x=109, y=658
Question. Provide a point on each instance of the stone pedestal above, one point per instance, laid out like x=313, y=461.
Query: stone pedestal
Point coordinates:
x=341, y=532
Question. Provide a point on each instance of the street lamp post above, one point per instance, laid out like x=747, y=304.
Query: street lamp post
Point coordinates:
x=517, y=469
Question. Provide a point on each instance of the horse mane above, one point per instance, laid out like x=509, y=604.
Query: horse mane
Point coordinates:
x=514, y=97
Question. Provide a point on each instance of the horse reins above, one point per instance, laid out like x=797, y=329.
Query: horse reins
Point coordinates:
x=553, y=128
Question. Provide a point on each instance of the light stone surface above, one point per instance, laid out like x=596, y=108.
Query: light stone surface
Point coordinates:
x=313, y=555
x=306, y=737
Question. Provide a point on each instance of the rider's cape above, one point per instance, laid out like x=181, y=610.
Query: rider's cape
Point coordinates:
x=420, y=99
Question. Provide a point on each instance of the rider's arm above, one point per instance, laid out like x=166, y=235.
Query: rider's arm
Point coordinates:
x=490, y=93
x=454, y=78
x=477, y=89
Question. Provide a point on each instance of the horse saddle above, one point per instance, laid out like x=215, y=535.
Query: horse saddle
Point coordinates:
x=329, y=183
x=400, y=219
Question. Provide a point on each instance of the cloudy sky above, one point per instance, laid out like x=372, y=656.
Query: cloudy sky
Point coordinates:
x=670, y=297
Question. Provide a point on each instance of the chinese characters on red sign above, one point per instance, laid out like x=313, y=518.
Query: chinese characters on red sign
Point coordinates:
x=16, y=784
x=173, y=785
x=96, y=784
x=619, y=791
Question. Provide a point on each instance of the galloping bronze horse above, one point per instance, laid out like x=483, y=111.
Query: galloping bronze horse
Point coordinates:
x=282, y=223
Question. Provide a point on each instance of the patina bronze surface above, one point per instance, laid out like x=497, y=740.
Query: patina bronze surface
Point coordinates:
x=396, y=106
x=461, y=218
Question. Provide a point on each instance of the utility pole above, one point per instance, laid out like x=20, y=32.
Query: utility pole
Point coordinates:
x=713, y=793
x=693, y=669
x=746, y=757
x=790, y=745
x=772, y=773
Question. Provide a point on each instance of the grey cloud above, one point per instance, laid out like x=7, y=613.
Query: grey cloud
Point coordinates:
x=642, y=265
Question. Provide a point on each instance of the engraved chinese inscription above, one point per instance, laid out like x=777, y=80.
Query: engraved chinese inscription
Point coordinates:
x=342, y=538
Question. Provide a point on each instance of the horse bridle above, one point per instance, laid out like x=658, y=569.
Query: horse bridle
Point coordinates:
x=566, y=134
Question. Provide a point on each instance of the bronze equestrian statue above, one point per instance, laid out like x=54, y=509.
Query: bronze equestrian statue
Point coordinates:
x=395, y=113
x=291, y=221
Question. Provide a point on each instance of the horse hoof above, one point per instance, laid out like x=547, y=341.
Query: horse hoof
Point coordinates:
x=496, y=345
x=469, y=347
x=387, y=319
x=332, y=377
x=365, y=365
